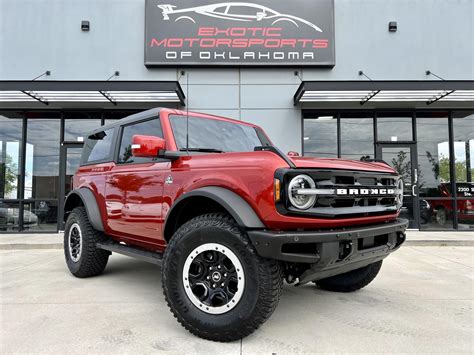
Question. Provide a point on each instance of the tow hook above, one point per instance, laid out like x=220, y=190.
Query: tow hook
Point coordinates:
x=345, y=249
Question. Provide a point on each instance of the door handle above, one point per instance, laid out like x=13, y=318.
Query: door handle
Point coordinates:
x=413, y=190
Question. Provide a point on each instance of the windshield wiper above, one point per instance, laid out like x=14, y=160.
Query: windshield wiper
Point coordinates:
x=207, y=150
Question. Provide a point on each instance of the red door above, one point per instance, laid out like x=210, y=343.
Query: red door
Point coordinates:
x=134, y=201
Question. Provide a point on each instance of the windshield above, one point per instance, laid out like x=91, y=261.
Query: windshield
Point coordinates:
x=214, y=135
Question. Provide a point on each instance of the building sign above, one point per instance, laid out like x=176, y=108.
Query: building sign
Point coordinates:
x=264, y=32
x=465, y=189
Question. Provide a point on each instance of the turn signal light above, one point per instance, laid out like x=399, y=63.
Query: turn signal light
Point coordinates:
x=277, y=190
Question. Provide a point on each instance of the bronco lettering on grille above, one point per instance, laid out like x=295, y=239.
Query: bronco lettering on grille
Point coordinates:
x=365, y=191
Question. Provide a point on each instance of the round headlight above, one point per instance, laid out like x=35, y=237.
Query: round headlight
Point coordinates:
x=301, y=200
x=399, y=196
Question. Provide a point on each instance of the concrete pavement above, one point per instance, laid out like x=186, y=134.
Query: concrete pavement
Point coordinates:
x=422, y=302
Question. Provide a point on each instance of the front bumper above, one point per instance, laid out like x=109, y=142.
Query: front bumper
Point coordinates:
x=331, y=252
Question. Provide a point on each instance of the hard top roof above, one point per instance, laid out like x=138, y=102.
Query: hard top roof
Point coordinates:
x=156, y=112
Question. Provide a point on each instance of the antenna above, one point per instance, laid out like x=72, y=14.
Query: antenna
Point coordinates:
x=187, y=110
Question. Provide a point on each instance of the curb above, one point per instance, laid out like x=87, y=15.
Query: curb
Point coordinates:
x=24, y=246
x=439, y=243
x=412, y=243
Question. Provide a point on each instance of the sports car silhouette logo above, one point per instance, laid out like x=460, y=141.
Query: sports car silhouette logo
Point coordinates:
x=234, y=11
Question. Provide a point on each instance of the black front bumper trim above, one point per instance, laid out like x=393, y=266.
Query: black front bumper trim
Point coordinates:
x=270, y=244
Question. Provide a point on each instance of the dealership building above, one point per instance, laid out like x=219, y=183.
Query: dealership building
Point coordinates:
x=362, y=79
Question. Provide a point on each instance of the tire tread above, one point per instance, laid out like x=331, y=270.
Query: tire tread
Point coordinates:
x=95, y=259
x=269, y=289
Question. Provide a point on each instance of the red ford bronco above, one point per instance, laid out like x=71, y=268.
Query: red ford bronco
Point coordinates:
x=227, y=215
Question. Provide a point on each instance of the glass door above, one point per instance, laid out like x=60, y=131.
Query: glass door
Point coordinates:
x=70, y=158
x=403, y=159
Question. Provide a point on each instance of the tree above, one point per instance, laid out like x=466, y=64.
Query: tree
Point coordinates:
x=441, y=168
x=402, y=166
x=127, y=155
x=9, y=173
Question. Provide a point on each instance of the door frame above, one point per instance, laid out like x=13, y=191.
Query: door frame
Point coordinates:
x=414, y=173
x=62, y=178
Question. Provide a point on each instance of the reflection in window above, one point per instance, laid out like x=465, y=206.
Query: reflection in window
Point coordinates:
x=393, y=127
x=73, y=160
x=76, y=129
x=320, y=136
x=433, y=156
x=40, y=215
x=97, y=146
x=9, y=216
x=10, y=153
x=436, y=214
x=214, y=134
x=463, y=126
x=147, y=128
x=42, y=158
x=357, y=138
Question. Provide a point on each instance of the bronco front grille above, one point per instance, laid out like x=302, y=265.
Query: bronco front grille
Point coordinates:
x=341, y=194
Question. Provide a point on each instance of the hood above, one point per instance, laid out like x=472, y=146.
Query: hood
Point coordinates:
x=341, y=164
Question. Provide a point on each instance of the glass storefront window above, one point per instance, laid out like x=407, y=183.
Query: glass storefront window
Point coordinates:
x=40, y=216
x=463, y=131
x=436, y=214
x=463, y=128
x=433, y=155
x=78, y=124
x=320, y=136
x=9, y=216
x=42, y=157
x=357, y=136
x=10, y=154
x=394, y=126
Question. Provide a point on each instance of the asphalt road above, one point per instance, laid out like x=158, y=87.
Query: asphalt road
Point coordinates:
x=422, y=302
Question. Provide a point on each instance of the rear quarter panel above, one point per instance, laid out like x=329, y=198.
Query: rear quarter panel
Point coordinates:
x=93, y=177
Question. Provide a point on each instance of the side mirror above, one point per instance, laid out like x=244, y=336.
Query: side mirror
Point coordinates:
x=147, y=146
x=293, y=154
x=261, y=16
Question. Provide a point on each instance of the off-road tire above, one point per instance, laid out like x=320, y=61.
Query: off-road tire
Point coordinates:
x=263, y=280
x=92, y=260
x=351, y=281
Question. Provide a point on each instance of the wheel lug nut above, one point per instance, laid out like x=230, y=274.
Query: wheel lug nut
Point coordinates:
x=218, y=266
x=214, y=285
x=225, y=274
x=208, y=278
x=222, y=284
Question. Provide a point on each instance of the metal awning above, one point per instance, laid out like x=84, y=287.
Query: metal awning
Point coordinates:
x=112, y=92
x=362, y=92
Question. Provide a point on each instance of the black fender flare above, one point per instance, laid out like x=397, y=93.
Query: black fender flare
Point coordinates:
x=90, y=203
x=235, y=205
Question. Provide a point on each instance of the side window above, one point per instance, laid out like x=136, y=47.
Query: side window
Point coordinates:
x=98, y=146
x=146, y=128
